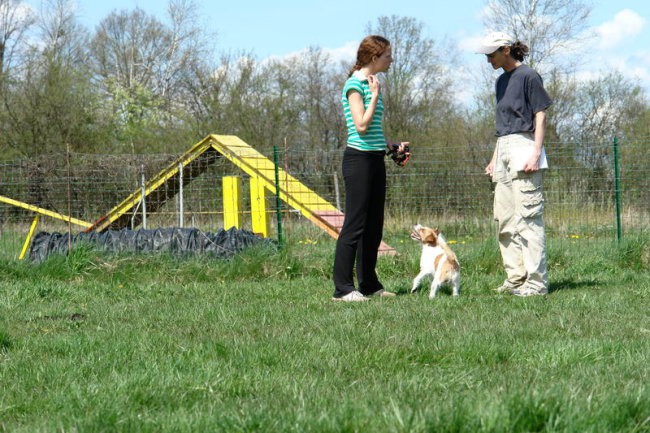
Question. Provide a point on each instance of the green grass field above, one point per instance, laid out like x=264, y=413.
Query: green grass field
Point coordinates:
x=92, y=343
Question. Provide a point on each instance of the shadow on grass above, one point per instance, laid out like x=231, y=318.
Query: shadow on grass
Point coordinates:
x=558, y=286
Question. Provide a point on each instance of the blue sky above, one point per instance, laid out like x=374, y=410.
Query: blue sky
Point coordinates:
x=282, y=27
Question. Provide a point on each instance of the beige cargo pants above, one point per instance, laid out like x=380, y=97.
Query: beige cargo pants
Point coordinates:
x=519, y=210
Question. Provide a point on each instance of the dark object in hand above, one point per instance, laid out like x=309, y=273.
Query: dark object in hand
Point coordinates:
x=400, y=157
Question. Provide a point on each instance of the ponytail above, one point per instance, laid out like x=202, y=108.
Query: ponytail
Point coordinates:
x=519, y=51
x=354, y=68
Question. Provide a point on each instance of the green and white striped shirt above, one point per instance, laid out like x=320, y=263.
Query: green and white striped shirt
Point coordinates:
x=374, y=138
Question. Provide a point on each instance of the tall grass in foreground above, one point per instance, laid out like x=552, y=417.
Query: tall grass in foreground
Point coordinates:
x=93, y=343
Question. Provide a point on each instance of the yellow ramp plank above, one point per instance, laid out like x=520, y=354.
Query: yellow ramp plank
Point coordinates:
x=168, y=173
x=292, y=191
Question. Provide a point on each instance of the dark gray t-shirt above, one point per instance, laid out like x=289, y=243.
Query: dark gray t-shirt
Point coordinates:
x=520, y=94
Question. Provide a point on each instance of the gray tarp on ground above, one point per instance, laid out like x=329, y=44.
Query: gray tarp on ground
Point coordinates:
x=223, y=244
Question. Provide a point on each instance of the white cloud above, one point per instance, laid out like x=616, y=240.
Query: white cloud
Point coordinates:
x=619, y=45
x=470, y=44
x=626, y=23
x=346, y=53
x=634, y=66
x=639, y=67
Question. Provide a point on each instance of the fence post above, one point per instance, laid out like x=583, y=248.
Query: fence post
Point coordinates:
x=336, y=191
x=278, y=202
x=617, y=182
x=67, y=163
x=144, y=200
x=181, y=210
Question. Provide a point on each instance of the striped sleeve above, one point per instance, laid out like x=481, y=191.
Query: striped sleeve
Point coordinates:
x=353, y=84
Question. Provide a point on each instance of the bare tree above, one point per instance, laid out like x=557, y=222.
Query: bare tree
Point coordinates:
x=224, y=96
x=128, y=49
x=550, y=28
x=136, y=49
x=147, y=68
x=319, y=100
x=63, y=39
x=15, y=20
x=418, y=90
x=52, y=103
x=604, y=107
x=188, y=45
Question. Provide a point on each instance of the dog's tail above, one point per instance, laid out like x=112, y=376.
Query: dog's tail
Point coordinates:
x=451, y=256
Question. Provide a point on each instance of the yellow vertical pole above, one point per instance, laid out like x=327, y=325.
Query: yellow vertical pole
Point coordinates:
x=232, y=202
x=259, y=216
x=28, y=241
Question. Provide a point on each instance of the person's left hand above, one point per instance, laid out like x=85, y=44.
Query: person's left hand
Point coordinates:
x=532, y=165
x=403, y=153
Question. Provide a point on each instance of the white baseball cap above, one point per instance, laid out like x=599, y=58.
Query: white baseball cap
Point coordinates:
x=494, y=41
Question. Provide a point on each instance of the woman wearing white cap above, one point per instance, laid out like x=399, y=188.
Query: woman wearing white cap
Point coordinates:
x=516, y=166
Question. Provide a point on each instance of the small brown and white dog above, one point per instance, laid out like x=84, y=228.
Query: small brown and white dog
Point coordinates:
x=437, y=259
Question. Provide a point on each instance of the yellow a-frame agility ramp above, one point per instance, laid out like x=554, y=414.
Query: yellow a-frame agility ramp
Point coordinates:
x=262, y=174
x=164, y=186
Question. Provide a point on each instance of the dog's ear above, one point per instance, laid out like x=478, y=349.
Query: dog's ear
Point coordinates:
x=430, y=237
x=436, y=231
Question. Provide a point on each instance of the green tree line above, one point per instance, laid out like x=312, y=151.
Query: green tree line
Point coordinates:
x=138, y=84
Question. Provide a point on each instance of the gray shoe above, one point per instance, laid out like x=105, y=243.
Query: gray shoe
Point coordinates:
x=528, y=291
x=381, y=293
x=507, y=287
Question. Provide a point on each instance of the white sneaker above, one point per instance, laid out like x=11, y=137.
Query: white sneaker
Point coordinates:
x=353, y=296
x=381, y=293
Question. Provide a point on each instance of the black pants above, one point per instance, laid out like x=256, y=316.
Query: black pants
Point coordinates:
x=360, y=236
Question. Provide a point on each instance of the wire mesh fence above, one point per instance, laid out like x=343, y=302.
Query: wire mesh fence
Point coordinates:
x=596, y=189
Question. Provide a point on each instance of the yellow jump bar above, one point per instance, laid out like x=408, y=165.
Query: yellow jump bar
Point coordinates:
x=42, y=211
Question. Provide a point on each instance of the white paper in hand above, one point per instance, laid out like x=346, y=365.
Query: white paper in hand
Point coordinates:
x=519, y=155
